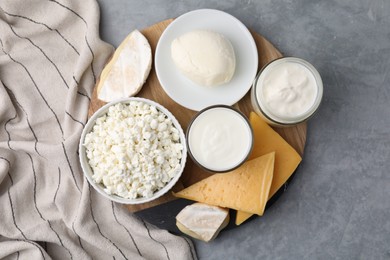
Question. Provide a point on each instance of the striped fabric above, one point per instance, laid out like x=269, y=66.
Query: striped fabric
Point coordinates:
x=50, y=58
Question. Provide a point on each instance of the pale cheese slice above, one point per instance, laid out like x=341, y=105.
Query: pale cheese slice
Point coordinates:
x=245, y=188
x=128, y=69
x=286, y=158
x=202, y=221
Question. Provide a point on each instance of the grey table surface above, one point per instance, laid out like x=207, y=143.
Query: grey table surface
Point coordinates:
x=338, y=204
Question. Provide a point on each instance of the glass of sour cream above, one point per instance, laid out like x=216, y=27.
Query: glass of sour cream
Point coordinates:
x=219, y=138
x=287, y=91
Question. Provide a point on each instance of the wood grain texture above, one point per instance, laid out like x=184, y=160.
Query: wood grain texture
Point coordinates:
x=295, y=136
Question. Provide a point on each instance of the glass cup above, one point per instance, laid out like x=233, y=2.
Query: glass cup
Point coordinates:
x=271, y=107
x=219, y=138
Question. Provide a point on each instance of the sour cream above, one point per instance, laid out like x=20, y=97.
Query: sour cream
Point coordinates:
x=219, y=138
x=287, y=91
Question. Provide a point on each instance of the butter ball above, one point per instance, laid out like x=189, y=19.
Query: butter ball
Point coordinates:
x=205, y=57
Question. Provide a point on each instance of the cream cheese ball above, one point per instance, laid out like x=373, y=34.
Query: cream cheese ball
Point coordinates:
x=205, y=57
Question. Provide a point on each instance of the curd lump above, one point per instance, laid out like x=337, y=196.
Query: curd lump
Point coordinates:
x=205, y=57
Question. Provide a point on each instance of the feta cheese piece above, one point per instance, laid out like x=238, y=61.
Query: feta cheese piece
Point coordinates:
x=130, y=155
x=202, y=221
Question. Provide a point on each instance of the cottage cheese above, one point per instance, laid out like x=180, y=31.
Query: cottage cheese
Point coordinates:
x=134, y=150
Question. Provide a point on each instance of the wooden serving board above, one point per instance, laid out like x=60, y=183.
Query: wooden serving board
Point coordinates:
x=295, y=136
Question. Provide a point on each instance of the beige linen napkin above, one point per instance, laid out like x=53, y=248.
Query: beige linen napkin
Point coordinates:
x=50, y=58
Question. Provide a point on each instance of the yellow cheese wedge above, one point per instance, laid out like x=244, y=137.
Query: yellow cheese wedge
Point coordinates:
x=127, y=71
x=245, y=188
x=286, y=158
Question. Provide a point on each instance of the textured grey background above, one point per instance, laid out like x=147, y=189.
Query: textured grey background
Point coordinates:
x=338, y=205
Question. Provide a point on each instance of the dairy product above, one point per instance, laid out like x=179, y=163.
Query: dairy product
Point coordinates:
x=219, y=138
x=287, y=159
x=287, y=91
x=134, y=150
x=245, y=188
x=205, y=57
x=128, y=69
x=202, y=221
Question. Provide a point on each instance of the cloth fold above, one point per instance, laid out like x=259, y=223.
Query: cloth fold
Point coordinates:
x=50, y=58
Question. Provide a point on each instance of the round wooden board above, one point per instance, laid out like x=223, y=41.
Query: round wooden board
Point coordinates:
x=295, y=136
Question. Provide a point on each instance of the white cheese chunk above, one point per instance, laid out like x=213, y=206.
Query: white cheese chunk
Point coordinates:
x=128, y=70
x=202, y=221
x=205, y=57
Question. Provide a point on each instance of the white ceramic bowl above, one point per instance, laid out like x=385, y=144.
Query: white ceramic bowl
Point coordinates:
x=87, y=168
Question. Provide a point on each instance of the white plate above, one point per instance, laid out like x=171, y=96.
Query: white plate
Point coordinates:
x=189, y=94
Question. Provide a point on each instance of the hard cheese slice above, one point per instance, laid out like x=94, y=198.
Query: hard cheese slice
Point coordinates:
x=286, y=158
x=202, y=221
x=128, y=69
x=245, y=188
